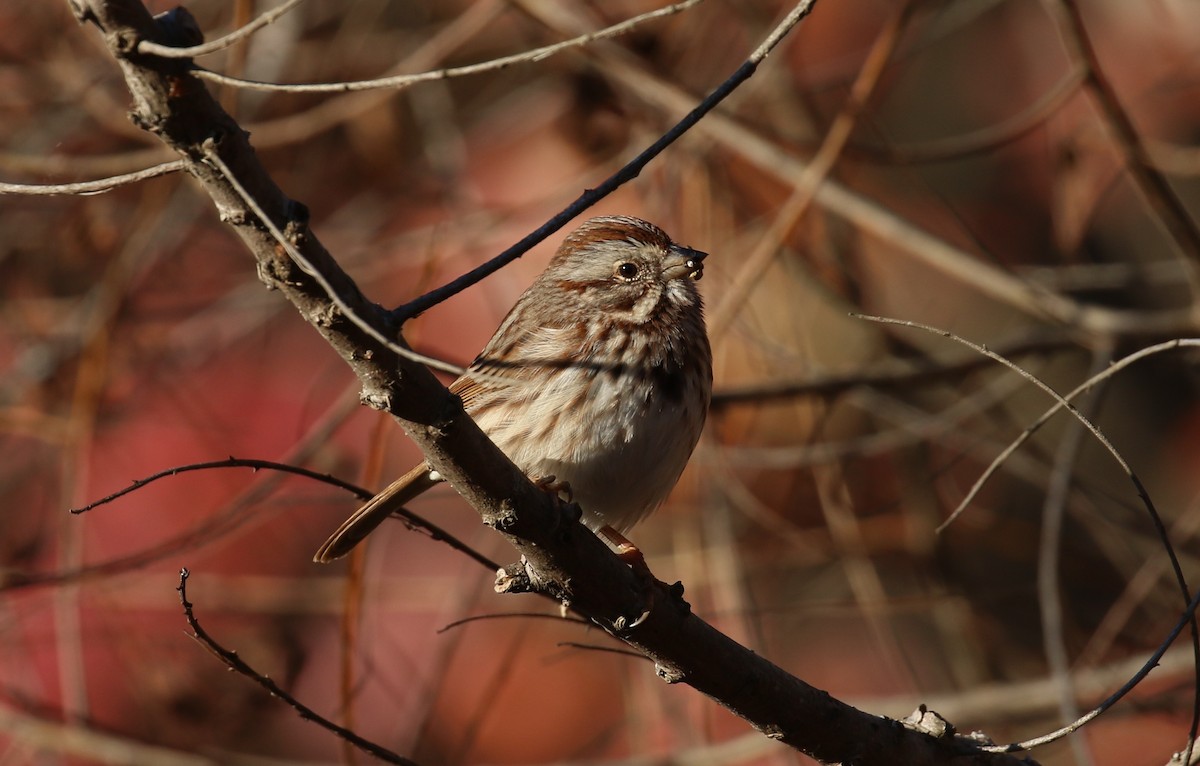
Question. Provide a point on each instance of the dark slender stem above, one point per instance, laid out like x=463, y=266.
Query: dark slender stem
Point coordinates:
x=412, y=520
x=240, y=666
x=230, y=462
x=590, y=197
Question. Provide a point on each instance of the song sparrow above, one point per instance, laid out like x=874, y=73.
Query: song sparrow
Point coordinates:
x=600, y=377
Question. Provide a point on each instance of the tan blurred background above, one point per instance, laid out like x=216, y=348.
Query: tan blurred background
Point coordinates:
x=981, y=190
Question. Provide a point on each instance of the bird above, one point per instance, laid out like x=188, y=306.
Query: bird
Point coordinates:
x=596, y=384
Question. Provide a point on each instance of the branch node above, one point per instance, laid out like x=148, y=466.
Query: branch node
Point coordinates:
x=773, y=732
x=210, y=147
x=929, y=722
x=623, y=624
x=266, y=272
x=122, y=43
x=670, y=674
x=505, y=519
x=376, y=400
x=513, y=578
x=325, y=316
x=296, y=229
x=235, y=218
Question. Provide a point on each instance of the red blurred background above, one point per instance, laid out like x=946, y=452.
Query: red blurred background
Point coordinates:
x=135, y=337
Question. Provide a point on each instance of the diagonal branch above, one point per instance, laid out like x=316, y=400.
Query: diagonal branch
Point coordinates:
x=630, y=171
x=560, y=556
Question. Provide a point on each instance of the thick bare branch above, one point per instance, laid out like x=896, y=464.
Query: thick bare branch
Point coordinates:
x=560, y=556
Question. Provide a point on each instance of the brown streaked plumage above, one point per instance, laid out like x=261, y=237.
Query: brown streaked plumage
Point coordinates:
x=599, y=376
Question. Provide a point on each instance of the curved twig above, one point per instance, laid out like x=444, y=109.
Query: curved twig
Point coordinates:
x=150, y=48
x=630, y=171
x=230, y=462
x=1064, y=402
x=243, y=668
x=412, y=520
x=401, y=81
x=99, y=186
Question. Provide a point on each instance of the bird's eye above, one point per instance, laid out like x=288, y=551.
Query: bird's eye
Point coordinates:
x=627, y=271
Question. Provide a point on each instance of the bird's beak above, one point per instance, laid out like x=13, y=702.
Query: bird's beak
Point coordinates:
x=684, y=262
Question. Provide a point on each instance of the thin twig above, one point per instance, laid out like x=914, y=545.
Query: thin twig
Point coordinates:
x=911, y=425
x=213, y=157
x=508, y=615
x=811, y=176
x=832, y=385
x=1088, y=320
x=134, y=160
x=1060, y=403
x=411, y=520
x=149, y=48
x=235, y=513
x=1121, y=612
x=230, y=462
x=99, y=186
x=561, y=557
x=597, y=648
x=240, y=666
x=328, y=113
x=399, y=82
x=1054, y=505
x=610, y=184
x=1188, y=617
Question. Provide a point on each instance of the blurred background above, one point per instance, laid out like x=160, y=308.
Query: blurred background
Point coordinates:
x=979, y=186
